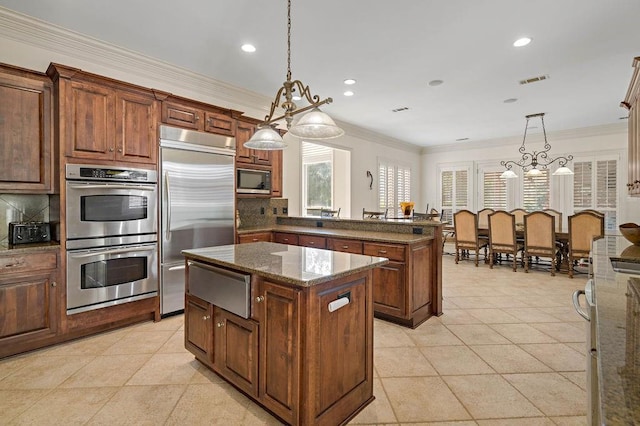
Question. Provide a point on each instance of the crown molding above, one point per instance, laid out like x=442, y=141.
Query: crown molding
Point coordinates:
x=583, y=132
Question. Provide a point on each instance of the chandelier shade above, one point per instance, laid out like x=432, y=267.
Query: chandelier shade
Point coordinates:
x=534, y=162
x=313, y=125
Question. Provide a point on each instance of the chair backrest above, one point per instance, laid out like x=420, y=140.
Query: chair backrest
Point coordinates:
x=314, y=211
x=592, y=211
x=540, y=231
x=370, y=214
x=584, y=226
x=437, y=218
x=502, y=228
x=483, y=218
x=465, y=225
x=330, y=213
x=519, y=214
x=557, y=215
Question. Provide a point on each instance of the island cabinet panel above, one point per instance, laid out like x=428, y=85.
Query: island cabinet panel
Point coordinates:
x=198, y=334
x=26, y=120
x=236, y=350
x=344, y=245
x=389, y=289
x=421, y=276
x=280, y=324
x=312, y=241
x=285, y=238
x=29, y=297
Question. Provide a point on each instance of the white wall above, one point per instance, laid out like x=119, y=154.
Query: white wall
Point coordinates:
x=579, y=143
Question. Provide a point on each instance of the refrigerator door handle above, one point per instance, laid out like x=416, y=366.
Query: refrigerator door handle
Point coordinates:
x=576, y=304
x=166, y=186
x=176, y=268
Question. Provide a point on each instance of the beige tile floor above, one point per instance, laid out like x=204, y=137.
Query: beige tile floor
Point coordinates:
x=507, y=351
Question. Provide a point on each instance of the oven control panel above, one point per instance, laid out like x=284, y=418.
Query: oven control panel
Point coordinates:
x=87, y=172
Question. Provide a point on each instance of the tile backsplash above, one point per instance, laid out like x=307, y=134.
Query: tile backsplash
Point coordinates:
x=256, y=212
x=21, y=208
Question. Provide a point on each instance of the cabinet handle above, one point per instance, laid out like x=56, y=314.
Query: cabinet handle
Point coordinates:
x=312, y=242
x=259, y=299
x=255, y=239
x=17, y=263
x=53, y=284
x=206, y=317
x=285, y=239
x=345, y=247
x=220, y=324
x=119, y=149
x=382, y=251
x=197, y=117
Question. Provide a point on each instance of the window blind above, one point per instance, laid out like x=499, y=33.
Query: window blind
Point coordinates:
x=494, y=193
x=595, y=187
x=394, y=185
x=454, y=192
x=582, y=190
x=535, y=192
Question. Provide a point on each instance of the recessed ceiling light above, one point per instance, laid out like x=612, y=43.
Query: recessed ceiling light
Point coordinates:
x=249, y=48
x=349, y=81
x=435, y=82
x=510, y=100
x=348, y=93
x=522, y=42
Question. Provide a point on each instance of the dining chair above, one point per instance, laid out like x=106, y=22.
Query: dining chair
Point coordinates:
x=502, y=236
x=540, y=239
x=483, y=218
x=519, y=215
x=370, y=214
x=329, y=213
x=584, y=227
x=557, y=215
x=599, y=213
x=465, y=225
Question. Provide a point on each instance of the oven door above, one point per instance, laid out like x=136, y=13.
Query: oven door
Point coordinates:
x=111, y=275
x=96, y=209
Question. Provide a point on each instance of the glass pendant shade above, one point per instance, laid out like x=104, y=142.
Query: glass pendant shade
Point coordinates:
x=508, y=174
x=563, y=171
x=267, y=139
x=316, y=125
x=533, y=172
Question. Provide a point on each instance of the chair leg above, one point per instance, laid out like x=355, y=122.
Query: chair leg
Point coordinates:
x=477, y=256
x=526, y=264
x=515, y=261
x=457, y=258
x=491, y=254
x=553, y=266
x=570, y=266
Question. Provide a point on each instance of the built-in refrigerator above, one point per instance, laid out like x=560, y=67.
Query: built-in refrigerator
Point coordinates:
x=197, y=206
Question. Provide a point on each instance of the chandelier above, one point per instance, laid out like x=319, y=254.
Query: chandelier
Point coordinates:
x=532, y=163
x=313, y=125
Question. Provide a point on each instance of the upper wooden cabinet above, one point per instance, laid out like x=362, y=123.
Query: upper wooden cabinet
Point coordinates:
x=197, y=117
x=27, y=160
x=632, y=103
x=103, y=119
x=276, y=173
x=244, y=131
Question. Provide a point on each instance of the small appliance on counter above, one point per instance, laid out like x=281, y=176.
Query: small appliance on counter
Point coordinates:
x=29, y=232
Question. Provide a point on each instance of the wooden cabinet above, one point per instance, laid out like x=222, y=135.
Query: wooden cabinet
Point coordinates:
x=254, y=237
x=27, y=160
x=198, y=335
x=197, y=117
x=276, y=174
x=344, y=245
x=244, y=155
x=312, y=241
x=389, y=281
x=28, y=301
x=103, y=119
x=285, y=238
x=632, y=103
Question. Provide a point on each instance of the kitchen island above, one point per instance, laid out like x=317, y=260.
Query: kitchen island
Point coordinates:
x=289, y=326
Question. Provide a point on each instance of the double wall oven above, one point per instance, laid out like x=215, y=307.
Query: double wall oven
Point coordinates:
x=111, y=228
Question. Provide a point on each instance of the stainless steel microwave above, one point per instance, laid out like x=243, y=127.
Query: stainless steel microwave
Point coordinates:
x=253, y=181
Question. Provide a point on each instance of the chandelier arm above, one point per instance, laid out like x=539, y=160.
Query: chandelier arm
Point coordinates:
x=274, y=105
x=298, y=111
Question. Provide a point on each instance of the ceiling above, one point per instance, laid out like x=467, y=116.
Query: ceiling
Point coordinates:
x=393, y=49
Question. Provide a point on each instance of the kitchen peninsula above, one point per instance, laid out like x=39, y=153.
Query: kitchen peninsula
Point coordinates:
x=407, y=290
x=290, y=326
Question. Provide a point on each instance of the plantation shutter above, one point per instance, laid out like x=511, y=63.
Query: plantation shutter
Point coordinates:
x=494, y=191
x=394, y=186
x=455, y=192
x=582, y=189
x=606, y=192
x=535, y=192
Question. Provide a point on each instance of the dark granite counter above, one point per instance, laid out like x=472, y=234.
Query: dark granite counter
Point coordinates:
x=26, y=248
x=299, y=266
x=617, y=297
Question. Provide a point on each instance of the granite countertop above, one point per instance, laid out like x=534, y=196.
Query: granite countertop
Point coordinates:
x=299, y=266
x=7, y=249
x=384, y=237
x=617, y=297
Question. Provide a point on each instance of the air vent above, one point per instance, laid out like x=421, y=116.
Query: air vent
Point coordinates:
x=534, y=79
x=462, y=139
x=400, y=109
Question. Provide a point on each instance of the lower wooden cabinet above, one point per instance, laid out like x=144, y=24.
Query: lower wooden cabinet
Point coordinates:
x=254, y=237
x=389, y=289
x=285, y=238
x=198, y=335
x=28, y=301
x=312, y=241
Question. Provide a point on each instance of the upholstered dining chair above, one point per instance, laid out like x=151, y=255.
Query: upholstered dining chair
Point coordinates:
x=483, y=218
x=584, y=227
x=540, y=239
x=519, y=215
x=502, y=236
x=557, y=215
x=370, y=214
x=330, y=213
x=465, y=225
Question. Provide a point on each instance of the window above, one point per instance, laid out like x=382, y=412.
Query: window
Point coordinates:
x=394, y=186
x=595, y=187
x=317, y=168
x=535, y=192
x=454, y=191
x=494, y=191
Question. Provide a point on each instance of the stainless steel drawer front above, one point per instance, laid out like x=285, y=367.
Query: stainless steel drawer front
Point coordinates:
x=226, y=289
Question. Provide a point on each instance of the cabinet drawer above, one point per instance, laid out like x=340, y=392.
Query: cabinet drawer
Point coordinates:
x=390, y=251
x=312, y=241
x=284, y=238
x=28, y=262
x=252, y=238
x=347, y=246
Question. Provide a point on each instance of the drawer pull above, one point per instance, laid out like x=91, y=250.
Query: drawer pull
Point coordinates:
x=382, y=251
x=345, y=247
x=220, y=324
x=53, y=284
x=255, y=239
x=206, y=317
x=312, y=242
x=285, y=239
x=259, y=299
x=16, y=263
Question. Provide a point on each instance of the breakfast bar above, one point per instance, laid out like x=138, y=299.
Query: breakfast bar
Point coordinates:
x=289, y=326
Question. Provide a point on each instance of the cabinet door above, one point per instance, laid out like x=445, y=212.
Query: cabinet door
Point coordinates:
x=262, y=156
x=285, y=238
x=389, y=289
x=244, y=131
x=280, y=349
x=236, y=350
x=252, y=238
x=25, y=132
x=198, y=333
x=136, y=128
x=276, y=173
x=90, y=126
x=182, y=116
x=312, y=241
x=347, y=246
x=219, y=123
x=421, y=275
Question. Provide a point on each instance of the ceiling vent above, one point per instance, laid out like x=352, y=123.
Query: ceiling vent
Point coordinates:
x=534, y=79
x=400, y=109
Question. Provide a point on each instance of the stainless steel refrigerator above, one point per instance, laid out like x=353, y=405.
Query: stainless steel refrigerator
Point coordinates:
x=197, y=202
